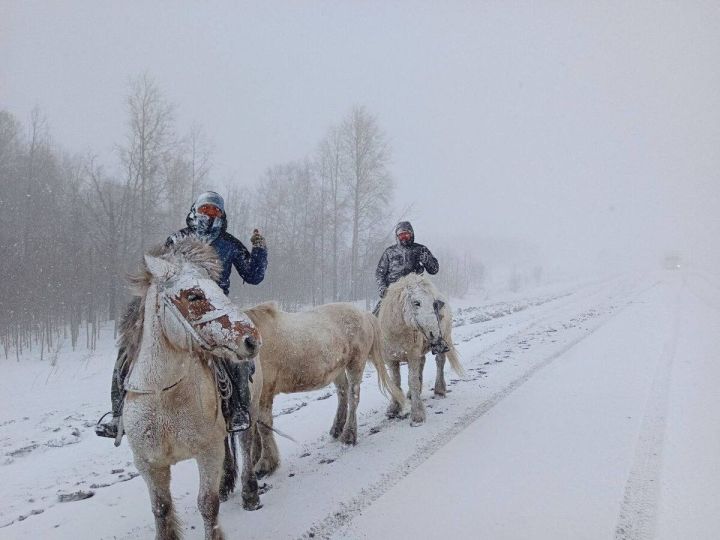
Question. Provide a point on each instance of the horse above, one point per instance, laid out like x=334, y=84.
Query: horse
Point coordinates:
x=309, y=350
x=177, y=327
x=414, y=317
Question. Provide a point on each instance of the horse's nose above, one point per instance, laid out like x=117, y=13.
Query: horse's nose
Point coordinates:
x=251, y=343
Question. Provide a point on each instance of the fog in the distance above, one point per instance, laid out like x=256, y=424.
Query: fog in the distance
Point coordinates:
x=585, y=133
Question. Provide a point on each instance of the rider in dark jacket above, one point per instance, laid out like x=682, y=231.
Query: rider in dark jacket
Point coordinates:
x=208, y=221
x=405, y=257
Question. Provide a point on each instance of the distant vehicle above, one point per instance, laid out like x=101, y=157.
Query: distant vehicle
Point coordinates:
x=672, y=261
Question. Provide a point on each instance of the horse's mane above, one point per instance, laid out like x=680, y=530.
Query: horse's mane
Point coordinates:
x=266, y=310
x=186, y=250
x=397, y=293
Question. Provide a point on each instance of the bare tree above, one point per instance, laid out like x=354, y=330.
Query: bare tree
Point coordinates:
x=368, y=181
x=149, y=137
x=199, y=156
x=330, y=165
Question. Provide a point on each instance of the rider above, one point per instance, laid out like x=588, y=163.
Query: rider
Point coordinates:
x=208, y=221
x=401, y=259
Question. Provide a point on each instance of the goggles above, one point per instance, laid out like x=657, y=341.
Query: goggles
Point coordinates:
x=209, y=210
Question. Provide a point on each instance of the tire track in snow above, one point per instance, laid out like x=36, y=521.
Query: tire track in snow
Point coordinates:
x=638, y=512
x=331, y=525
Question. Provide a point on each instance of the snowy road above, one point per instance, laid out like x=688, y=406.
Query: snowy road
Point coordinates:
x=589, y=411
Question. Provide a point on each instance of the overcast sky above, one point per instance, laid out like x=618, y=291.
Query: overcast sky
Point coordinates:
x=580, y=128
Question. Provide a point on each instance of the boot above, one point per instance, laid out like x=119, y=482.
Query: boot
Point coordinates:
x=107, y=429
x=439, y=347
x=237, y=408
x=111, y=428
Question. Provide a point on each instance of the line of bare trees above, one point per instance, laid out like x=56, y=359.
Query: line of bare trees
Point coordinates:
x=70, y=230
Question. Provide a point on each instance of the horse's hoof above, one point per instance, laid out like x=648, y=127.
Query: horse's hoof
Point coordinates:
x=417, y=419
x=416, y=423
x=439, y=393
x=264, y=468
x=393, y=411
x=349, y=439
x=252, y=505
x=334, y=433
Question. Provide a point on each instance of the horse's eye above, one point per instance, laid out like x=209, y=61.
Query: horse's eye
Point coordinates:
x=416, y=303
x=195, y=297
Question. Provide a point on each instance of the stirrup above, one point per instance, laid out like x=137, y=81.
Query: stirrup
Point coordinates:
x=105, y=429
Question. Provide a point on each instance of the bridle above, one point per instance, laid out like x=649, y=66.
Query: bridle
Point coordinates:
x=419, y=327
x=190, y=327
x=163, y=300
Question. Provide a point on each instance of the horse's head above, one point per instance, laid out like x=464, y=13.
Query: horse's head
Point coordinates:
x=421, y=306
x=194, y=312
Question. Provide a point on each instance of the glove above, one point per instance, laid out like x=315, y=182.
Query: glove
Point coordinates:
x=423, y=256
x=257, y=240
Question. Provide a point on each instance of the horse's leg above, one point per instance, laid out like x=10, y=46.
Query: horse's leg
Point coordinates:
x=341, y=383
x=354, y=376
x=158, y=483
x=251, y=499
x=422, y=369
x=440, y=387
x=394, y=408
x=269, y=455
x=417, y=409
x=210, y=466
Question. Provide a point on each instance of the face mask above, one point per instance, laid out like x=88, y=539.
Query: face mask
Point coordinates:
x=208, y=228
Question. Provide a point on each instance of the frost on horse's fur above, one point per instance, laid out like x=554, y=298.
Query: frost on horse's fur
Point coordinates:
x=412, y=313
x=172, y=409
x=309, y=350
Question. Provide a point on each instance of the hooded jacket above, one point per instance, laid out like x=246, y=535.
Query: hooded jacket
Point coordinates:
x=250, y=265
x=402, y=259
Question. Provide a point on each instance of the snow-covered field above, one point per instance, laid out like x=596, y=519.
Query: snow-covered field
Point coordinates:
x=590, y=410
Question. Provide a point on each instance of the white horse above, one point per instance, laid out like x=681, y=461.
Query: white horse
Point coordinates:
x=415, y=318
x=172, y=409
x=309, y=350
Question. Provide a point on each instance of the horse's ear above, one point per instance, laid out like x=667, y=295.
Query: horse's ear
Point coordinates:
x=160, y=268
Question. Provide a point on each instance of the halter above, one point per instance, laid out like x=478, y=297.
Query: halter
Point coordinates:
x=190, y=327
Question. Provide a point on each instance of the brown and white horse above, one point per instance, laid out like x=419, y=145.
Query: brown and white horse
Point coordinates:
x=172, y=410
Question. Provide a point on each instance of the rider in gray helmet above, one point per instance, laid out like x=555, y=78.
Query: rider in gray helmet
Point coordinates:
x=207, y=220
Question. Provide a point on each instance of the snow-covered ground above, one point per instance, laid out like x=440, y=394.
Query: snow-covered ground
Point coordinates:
x=590, y=410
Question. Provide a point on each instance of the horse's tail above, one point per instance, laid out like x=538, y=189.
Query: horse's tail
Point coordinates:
x=454, y=359
x=452, y=355
x=376, y=356
x=230, y=467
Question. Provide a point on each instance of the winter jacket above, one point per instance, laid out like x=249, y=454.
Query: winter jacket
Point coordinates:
x=400, y=260
x=250, y=265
